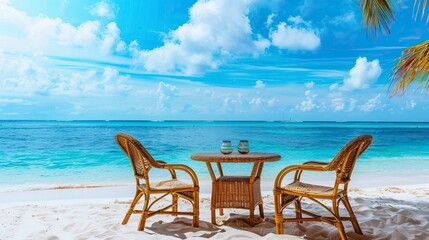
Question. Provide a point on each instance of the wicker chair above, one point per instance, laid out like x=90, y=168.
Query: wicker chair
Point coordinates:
x=142, y=162
x=342, y=164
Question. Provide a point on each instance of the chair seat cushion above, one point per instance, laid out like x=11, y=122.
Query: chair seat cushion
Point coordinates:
x=170, y=185
x=310, y=189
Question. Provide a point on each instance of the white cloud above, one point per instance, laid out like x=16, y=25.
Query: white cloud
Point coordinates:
x=216, y=31
x=228, y=100
x=22, y=75
x=240, y=98
x=111, y=41
x=11, y=15
x=103, y=9
x=328, y=73
x=352, y=105
x=90, y=83
x=113, y=82
x=294, y=38
x=256, y=101
x=309, y=84
x=409, y=105
x=409, y=38
x=297, y=20
x=305, y=7
x=272, y=102
x=55, y=36
x=338, y=104
x=166, y=92
x=361, y=76
x=334, y=86
x=227, y=105
x=371, y=104
x=11, y=100
x=260, y=101
x=307, y=104
x=13, y=113
x=66, y=34
x=260, y=84
x=347, y=18
x=270, y=19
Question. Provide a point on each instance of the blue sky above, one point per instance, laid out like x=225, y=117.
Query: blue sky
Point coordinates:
x=202, y=60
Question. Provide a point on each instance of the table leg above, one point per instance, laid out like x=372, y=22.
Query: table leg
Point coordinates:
x=261, y=205
x=212, y=175
x=261, y=210
x=256, y=173
x=214, y=192
x=219, y=168
x=213, y=216
x=252, y=215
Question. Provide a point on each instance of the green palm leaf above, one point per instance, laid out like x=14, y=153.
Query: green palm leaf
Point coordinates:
x=412, y=67
x=377, y=15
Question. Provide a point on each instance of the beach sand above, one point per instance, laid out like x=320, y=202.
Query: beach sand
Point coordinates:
x=400, y=212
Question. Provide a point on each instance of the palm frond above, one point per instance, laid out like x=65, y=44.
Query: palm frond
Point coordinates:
x=418, y=4
x=378, y=15
x=411, y=68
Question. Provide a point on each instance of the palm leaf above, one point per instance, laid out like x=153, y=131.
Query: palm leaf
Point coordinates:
x=412, y=67
x=417, y=5
x=377, y=15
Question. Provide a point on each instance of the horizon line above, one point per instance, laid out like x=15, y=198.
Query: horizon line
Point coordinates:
x=199, y=120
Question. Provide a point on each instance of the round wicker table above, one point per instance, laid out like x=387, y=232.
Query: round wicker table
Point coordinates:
x=236, y=191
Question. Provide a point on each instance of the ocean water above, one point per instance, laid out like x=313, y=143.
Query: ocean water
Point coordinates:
x=48, y=154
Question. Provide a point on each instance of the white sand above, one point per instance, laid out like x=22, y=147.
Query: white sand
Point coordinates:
x=383, y=213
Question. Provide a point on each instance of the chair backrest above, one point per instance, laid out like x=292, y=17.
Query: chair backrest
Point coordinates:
x=139, y=157
x=344, y=161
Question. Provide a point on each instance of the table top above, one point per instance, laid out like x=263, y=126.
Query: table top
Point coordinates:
x=235, y=157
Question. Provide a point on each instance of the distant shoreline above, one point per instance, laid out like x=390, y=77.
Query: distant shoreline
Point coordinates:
x=216, y=121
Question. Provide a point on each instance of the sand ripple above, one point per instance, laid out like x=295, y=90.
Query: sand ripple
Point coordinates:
x=387, y=214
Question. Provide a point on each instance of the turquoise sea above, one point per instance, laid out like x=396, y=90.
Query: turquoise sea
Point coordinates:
x=48, y=154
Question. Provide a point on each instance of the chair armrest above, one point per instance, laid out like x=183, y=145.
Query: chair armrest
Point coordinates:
x=186, y=169
x=298, y=173
x=316, y=163
x=162, y=164
x=297, y=169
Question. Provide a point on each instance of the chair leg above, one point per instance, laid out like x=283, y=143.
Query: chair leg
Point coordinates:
x=175, y=204
x=353, y=219
x=298, y=212
x=221, y=211
x=278, y=213
x=261, y=210
x=131, y=208
x=252, y=214
x=339, y=223
x=215, y=186
x=144, y=213
x=196, y=220
x=213, y=210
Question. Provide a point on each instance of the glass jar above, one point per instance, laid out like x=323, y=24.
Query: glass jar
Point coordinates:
x=226, y=147
x=243, y=146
